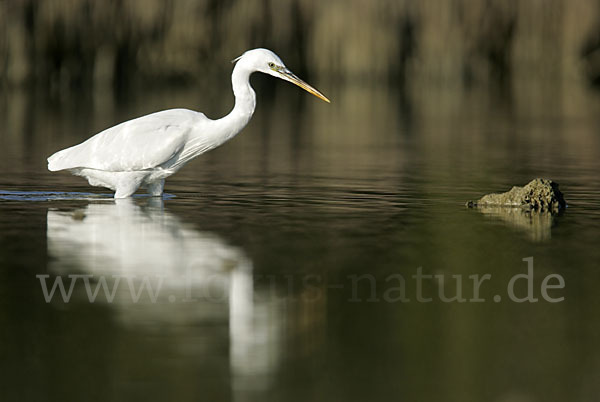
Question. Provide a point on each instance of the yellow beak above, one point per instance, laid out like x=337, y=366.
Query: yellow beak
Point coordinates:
x=291, y=77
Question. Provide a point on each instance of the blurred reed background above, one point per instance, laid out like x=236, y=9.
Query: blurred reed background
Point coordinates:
x=494, y=79
x=59, y=45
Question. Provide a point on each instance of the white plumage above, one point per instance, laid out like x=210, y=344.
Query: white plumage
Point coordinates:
x=143, y=152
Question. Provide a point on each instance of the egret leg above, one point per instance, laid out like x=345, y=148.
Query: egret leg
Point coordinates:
x=125, y=191
x=155, y=189
x=127, y=184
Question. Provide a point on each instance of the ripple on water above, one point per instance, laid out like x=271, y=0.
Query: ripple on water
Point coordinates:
x=10, y=195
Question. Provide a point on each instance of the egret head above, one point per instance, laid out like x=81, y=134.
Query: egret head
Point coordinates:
x=267, y=62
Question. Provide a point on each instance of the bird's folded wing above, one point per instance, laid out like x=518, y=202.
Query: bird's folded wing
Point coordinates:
x=139, y=144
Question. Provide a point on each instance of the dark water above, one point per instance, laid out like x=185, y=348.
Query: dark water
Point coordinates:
x=276, y=262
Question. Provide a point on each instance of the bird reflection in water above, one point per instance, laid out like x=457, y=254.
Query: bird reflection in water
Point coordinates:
x=195, y=277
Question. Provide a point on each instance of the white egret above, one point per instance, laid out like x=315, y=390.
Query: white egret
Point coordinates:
x=143, y=152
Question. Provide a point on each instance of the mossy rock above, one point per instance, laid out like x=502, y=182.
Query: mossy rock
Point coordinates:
x=538, y=194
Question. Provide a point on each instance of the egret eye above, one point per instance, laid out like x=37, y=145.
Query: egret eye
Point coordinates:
x=271, y=65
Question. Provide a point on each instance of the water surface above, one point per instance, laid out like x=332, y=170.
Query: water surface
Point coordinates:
x=279, y=254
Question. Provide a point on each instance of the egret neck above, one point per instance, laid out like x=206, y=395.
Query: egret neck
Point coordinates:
x=245, y=103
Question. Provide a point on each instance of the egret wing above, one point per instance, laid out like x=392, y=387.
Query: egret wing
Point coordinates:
x=143, y=143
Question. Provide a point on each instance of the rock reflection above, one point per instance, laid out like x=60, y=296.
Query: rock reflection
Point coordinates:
x=184, y=278
x=537, y=225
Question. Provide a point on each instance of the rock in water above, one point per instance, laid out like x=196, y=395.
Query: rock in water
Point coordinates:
x=538, y=195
